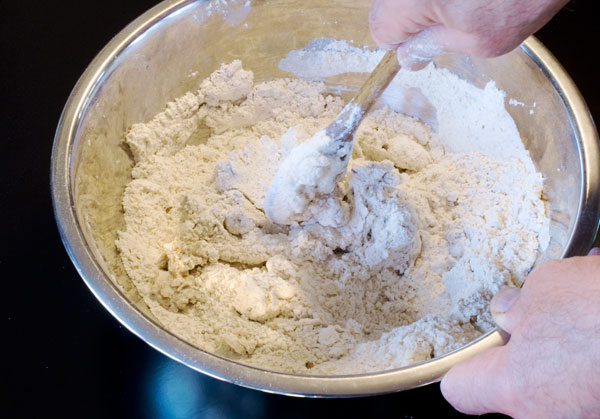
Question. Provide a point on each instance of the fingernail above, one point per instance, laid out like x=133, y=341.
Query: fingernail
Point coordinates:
x=386, y=46
x=384, y=42
x=594, y=252
x=504, y=299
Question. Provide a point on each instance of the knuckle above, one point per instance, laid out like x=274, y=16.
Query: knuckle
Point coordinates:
x=489, y=45
x=544, y=269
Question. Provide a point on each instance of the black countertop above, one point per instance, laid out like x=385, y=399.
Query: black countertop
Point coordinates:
x=67, y=356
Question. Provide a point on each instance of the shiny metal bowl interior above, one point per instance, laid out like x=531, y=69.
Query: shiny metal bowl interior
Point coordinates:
x=169, y=49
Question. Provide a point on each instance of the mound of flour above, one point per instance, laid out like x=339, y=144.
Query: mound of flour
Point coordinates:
x=424, y=235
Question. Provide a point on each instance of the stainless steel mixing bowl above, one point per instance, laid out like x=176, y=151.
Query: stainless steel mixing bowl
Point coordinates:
x=169, y=49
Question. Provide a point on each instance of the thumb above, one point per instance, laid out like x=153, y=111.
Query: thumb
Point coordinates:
x=594, y=251
x=418, y=50
x=506, y=308
x=478, y=385
x=421, y=48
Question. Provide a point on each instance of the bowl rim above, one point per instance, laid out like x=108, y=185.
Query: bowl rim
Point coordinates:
x=112, y=298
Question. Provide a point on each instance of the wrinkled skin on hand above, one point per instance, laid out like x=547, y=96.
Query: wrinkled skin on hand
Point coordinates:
x=550, y=366
x=421, y=29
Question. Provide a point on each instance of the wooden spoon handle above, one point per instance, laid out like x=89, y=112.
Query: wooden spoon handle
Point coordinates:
x=379, y=79
x=342, y=128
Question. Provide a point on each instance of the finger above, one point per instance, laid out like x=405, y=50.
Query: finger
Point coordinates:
x=594, y=252
x=391, y=24
x=421, y=48
x=506, y=309
x=478, y=385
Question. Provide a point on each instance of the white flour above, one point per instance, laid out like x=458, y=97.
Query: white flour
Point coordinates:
x=398, y=263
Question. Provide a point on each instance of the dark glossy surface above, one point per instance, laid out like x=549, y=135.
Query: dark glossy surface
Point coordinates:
x=68, y=356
